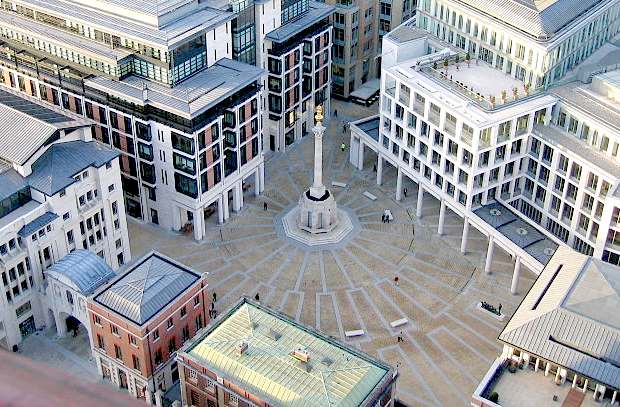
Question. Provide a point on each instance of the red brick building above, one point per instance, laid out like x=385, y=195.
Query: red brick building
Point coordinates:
x=141, y=318
x=255, y=356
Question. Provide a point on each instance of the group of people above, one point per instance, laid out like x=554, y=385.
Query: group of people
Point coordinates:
x=387, y=216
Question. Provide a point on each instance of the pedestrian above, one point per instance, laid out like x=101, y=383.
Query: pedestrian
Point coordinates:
x=264, y=206
x=212, y=305
x=396, y=280
x=374, y=168
x=405, y=192
x=214, y=297
x=402, y=338
x=335, y=112
x=257, y=297
x=344, y=128
x=343, y=146
x=499, y=309
x=383, y=218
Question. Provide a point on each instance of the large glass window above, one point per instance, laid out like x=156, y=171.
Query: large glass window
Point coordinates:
x=187, y=165
x=189, y=58
x=182, y=143
x=185, y=185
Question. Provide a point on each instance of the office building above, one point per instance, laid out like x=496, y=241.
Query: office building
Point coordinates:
x=141, y=318
x=561, y=344
x=59, y=191
x=254, y=356
x=359, y=26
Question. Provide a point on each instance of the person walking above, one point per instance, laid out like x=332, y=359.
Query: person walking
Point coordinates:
x=405, y=192
x=374, y=168
x=396, y=280
x=257, y=297
x=214, y=297
x=343, y=146
x=335, y=112
x=264, y=206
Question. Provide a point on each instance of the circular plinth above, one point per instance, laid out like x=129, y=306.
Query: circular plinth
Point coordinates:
x=287, y=227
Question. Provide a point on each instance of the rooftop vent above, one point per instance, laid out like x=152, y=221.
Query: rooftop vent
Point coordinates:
x=241, y=347
x=301, y=353
x=275, y=335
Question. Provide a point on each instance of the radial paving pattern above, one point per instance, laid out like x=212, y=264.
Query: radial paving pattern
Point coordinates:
x=448, y=344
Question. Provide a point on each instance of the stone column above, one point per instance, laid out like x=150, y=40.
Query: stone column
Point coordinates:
x=241, y=194
x=537, y=365
x=515, y=276
x=487, y=264
x=614, y=397
x=360, y=155
x=418, y=208
x=262, y=176
x=399, y=184
x=236, y=198
x=442, y=216
x=198, y=224
x=547, y=368
x=379, y=169
x=225, y=205
x=585, y=385
x=318, y=189
x=574, y=381
x=257, y=182
x=220, y=210
x=465, y=233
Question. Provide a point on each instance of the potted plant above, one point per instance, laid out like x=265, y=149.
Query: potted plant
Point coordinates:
x=526, y=88
x=504, y=95
x=515, y=93
x=445, y=65
x=468, y=59
x=494, y=397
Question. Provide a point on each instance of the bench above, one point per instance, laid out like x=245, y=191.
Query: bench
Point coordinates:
x=369, y=196
x=354, y=333
x=399, y=322
x=339, y=184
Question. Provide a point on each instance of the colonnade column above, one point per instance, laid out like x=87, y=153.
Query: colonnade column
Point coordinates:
x=418, y=208
x=198, y=224
x=487, y=264
x=442, y=216
x=614, y=397
x=465, y=233
x=257, y=182
x=399, y=184
x=360, y=156
x=515, y=276
x=379, y=169
x=220, y=211
x=261, y=172
x=226, y=213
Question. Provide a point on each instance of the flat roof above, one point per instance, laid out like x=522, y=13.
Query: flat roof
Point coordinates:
x=570, y=317
x=190, y=97
x=316, y=12
x=518, y=231
x=369, y=126
x=26, y=125
x=335, y=374
x=201, y=18
x=146, y=287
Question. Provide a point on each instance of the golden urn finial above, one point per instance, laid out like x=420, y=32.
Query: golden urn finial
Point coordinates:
x=319, y=114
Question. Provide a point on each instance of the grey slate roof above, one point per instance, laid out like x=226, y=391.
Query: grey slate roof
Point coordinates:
x=189, y=98
x=541, y=19
x=316, y=12
x=10, y=182
x=521, y=233
x=147, y=287
x=26, y=125
x=82, y=270
x=570, y=317
x=36, y=224
x=54, y=170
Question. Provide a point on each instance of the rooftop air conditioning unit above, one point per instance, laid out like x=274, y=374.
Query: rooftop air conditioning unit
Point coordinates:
x=301, y=353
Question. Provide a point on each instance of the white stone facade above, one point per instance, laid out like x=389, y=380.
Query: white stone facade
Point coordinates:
x=552, y=160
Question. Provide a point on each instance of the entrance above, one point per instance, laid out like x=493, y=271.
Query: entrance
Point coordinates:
x=175, y=373
x=27, y=327
x=122, y=379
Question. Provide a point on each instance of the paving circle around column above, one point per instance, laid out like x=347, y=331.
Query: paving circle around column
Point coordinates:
x=287, y=229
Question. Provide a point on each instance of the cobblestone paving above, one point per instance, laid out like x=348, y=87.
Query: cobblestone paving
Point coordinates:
x=448, y=344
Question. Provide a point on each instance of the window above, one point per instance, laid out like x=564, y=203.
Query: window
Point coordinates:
x=69, y=297
x=132, y=340
x=118, y=353
x=100, y=342
x=158, y=357
x=155, y=335
x=114, y=329
x=185, y=185
x=172, y=345
x=192, y=375
x=169, y=323
x=97, y=320
x=185, y=333
x=136, y=362
x=182, y=143
x=196, y=301
x=183, y=312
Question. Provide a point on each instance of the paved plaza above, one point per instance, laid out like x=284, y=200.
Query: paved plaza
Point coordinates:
x=448, y=344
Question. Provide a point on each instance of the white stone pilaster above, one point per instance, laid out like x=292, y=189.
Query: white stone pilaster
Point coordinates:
x=489, y=259
x=442, y=217
x=515, y=276
x=465, y=235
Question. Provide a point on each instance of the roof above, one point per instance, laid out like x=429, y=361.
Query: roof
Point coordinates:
x=10, y=182
x=586, y=99
x=570, y=317
x=369, y=126
x=55, y=168
x=316, y=12
x=190, y=97
x=518, y=231
x=36, y=224
x=569, y=142
x=81, y=270
x=147, y=287
x=538, y=18
x=200, y=17
x=336, y=374
x=26, y=125
x=406, y=33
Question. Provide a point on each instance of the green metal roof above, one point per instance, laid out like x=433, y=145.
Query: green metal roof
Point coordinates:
x=335, y=375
